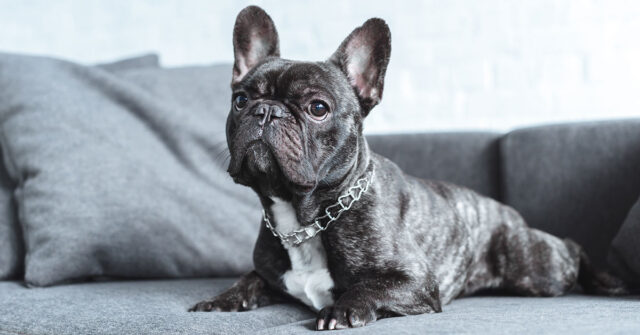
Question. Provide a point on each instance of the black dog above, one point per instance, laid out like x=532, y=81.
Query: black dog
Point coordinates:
x=345, y=231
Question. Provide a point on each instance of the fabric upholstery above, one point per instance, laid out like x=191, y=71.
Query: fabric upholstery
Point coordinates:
x=160, y=307
x=122, y=175
x=624, y=255
x=11, y=245
x=469, y=159
x=11, y=239
x=134, y=63
x=574, y=180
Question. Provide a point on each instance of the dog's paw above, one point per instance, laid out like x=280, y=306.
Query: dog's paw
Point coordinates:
x=224, y=304
x=250, y=292
x=344, y=316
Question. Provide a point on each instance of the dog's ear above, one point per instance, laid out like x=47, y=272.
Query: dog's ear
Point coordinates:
x=254, y=39
x=363, y=57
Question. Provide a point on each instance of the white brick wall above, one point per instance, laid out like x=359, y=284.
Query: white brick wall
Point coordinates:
x=490, y=64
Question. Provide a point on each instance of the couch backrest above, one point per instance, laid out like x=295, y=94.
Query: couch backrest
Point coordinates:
x=468, y=159
x=574, y=180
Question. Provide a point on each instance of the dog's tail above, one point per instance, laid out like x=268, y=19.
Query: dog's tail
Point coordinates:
x=594, y=281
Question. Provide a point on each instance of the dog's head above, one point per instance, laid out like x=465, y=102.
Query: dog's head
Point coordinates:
x=294, y=126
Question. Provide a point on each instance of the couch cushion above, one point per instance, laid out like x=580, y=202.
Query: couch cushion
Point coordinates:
x=576, y=180
x=469, y=159
x=574, y=314
x=624, y=256
x=160, y=307
x=135, y=307
x=11, y=239
x=123, y=175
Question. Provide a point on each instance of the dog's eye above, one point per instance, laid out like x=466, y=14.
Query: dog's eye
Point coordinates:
x=240, y=101
x=318, y=110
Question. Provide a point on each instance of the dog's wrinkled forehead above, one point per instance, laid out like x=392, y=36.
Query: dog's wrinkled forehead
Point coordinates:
x=290, y=79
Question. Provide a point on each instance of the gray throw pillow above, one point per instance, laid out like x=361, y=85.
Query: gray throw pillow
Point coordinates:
x=133, y=63
x=624, y=255
x=123, y=175
x=11, y=240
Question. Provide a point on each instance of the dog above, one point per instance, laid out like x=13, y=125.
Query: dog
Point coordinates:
x=344, y=230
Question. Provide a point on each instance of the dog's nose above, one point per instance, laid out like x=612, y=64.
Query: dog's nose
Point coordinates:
x=268, y=111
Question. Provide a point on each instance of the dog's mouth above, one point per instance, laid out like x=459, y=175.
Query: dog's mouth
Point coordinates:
x=259, y=164
x=255, y=159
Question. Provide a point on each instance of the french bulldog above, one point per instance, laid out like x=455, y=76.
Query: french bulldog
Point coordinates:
x=344, y=230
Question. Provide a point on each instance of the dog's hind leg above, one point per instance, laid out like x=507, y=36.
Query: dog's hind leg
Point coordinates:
x=533, y=263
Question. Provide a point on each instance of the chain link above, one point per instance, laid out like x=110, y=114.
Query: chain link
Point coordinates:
x=344, y=203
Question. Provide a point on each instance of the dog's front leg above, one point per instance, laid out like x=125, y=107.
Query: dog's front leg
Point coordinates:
x=382, y=296
x=249, y=292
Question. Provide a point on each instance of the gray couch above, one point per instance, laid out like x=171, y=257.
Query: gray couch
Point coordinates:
x=572, y=180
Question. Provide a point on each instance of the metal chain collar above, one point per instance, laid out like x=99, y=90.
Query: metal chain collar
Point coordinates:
x=343, y=204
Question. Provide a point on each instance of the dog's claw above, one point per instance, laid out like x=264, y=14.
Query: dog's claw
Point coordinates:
x=203, y=306
x=341, y=317
x=320, y=324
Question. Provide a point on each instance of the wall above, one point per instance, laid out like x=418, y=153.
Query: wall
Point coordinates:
x=455, y=64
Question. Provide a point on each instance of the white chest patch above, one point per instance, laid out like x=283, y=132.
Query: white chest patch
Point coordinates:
x=309, y=279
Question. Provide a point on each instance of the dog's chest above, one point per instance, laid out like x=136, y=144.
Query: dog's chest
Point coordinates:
x=309, y=279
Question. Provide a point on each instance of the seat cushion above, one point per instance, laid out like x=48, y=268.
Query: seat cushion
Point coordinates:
x=160, y=307
x=469, y=159
x=131, y=307
x=574, y=314
x=574, y=180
